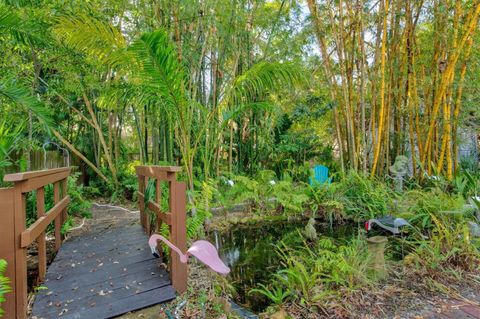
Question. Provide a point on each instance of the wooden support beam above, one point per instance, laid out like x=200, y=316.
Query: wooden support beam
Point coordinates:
x=42, y=244
x=20, y=279
x=178, y=234
x=31, y=234
x=7, y=247
x=164, y=216
x=58, y=217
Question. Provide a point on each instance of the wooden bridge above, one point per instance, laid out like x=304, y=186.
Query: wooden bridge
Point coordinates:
x=100, y=274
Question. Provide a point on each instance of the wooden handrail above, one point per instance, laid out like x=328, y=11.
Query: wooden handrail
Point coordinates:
x=166, y=217
x=17, y=177
x=15, y=238
x=158, y=172
x=38, y=227
x=175, y=218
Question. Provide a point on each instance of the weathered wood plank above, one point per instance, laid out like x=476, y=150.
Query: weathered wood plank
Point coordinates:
x=98, y=274
x=67, y=293
x=131, y=303
x=84, y=300
x=101, y=275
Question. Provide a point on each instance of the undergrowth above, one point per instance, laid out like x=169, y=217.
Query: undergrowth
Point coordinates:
x=317, y=273
x=4, y=284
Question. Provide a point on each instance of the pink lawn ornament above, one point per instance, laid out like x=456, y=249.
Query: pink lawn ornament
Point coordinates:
x=201, y=249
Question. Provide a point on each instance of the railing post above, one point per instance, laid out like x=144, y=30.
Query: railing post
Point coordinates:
x=42, y=245
x=19, y=201
x=176, y=218
x=178, y=234
x=7, y=247
x=64, y=194
x=14, y=237
x=58, y=219
x=141, y=201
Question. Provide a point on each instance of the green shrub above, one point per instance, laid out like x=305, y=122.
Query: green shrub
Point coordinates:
x=4, y=284
x=449, y=248
x=419, y=207
x=362, y=197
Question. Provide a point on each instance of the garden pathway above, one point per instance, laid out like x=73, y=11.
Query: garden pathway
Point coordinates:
x=103, y=271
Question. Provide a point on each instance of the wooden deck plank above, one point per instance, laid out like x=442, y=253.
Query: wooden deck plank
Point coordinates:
x=70, y=291
x=90, y=265
x=128, y=304
x=86, y=299
x=102, y=275
x=113, y=257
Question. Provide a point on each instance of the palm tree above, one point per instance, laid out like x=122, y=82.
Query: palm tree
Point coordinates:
x=157, y=77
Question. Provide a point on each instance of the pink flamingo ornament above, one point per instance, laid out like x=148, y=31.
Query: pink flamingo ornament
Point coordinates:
x=201, y=249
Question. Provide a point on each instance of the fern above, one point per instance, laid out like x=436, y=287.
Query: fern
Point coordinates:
x=4, y=284
x=312, y=274
x=276, y=294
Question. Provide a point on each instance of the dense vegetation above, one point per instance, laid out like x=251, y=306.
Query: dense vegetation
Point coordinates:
x=247, y=96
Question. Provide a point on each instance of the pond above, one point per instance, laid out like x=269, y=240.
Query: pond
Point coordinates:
x=249, y=250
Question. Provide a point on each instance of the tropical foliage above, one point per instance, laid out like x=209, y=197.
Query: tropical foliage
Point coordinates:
x=4, y=284
x=247, y=96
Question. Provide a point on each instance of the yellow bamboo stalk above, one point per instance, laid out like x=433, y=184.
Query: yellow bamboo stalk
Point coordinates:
x=382, y=91
x=471, y=24
x=458, y=102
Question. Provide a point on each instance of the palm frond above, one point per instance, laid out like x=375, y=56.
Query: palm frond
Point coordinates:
x=20, y=95
x=93, y=37
x=22, y=30
x=242, y=108
x=159, y=71
x=262, y=79
x=9, y=134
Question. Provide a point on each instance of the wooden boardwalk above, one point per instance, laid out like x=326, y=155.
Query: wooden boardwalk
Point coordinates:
x=103, y=274
x=455, y=310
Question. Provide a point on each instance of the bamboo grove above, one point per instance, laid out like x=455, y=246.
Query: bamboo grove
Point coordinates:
x=233, y=86
x=397, y=76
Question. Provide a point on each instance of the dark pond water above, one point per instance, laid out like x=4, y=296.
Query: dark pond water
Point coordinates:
x=250, y=253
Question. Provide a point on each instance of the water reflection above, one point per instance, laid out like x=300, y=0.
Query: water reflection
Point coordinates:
x=250, y=253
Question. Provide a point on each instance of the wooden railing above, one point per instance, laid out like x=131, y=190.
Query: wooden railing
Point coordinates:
x=15, y=237
x=175, y=217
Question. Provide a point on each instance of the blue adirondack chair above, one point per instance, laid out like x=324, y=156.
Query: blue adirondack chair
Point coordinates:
x=320, y=175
